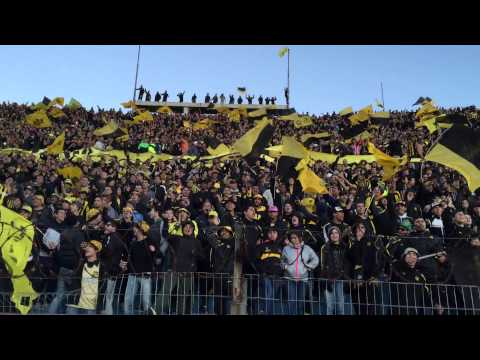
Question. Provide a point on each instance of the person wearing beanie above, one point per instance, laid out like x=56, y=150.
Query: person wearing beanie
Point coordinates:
x=298, y=261
x=273, y=219
x=335, y=267
x=186, y=253
x=338, y=216
x=90, y=278
x=140, y=266
x=410, y=294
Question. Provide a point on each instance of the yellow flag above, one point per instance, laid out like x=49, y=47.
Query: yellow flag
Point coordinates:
x=379, y=104
x=283, y=51
x=303, y=121
x=311, y=183
x=16, y=240
x=203, y=124
x=366, y=110
x=390, y=164
x=426, y=109
x=187, y=124
x=290, y=117
x=38, y=119
x=129, y=104
x=56, y=113
x=219, y=150
x=319, y=156
x=39, y=106
x=258, y=113
x=234, y=115
x=74, y=104
x=320, y=135
x=245, y=144
x=56, y=147
x=221, y=109
x=108, y=129
x=347, y=111
x=71, y=172
x=291, y=147
x=430, y=124
x=56, y=101
x=164, y=110
x=144, y=116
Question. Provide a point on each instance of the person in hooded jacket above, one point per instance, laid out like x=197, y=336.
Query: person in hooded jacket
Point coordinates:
x=222, y=242
x=298, y=261
x=335, y=269
x=268, y=257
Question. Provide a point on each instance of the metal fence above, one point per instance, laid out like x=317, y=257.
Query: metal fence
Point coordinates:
x=214, y=294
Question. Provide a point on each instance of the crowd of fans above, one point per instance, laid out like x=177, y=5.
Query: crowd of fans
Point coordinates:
x=215, y=99
x=182, y=217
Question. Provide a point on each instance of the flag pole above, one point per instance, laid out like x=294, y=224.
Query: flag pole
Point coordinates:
x=383, y=102
x=136, y=75
x=288, y=79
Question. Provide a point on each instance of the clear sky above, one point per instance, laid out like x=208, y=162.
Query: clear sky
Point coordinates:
x=323, y=78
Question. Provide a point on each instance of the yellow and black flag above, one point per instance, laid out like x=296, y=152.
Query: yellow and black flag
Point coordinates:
x=345, y=112
x=379, y=118
x=260, y=113
x=308, y=139
x=456, y=118
x=56, y=147
x=459, y=149
x=283, y=51
x=254, y=142
x=108, y=129
x=38, y=119
x=352, y=131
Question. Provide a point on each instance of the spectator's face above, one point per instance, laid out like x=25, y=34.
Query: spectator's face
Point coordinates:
x=360, y=207
x=420, y=225
x=438, y=211
x=98, y=203
x=250, y=213
x=258, y=202
x=339, y=216
x=207, y=207
x=468, y=220
x=288, y=209
x=335, y=236
x=465, y=204
x=401, y=209
x=460, y=218
x=182, y=216
x=168, y=215
x=295, y=239
x=272, y=235
x=109, y=229
x=188, y=230
x=411, y=259
x=273, y=215
x=25, y=214
x=230, y=206
x=360, y=231
x=295, y=221
x=60, y=216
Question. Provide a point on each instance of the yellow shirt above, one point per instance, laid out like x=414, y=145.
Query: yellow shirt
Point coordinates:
x=89, y=292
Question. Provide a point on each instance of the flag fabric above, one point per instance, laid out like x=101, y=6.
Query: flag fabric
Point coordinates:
x=430, y=124
x=242, y=90
x=221, y=109
x=311, y=183
x=56, y=147
x=286, y=167
x=353, y=131
x=187, y=124
x=56, y=113
x=379, y=104
x=302, y=122
x=221, y=149
x=71, y=172
x=426, y=109
x=121, y=135
x=290, y=147
x=308, y=139
x=16, y=240
x=358, y=118
x=108, y=129
x=419, y=101
x=234, y=115
x=203, y=124
x=255, y=140
x=144, y=116
x=38, y=119
x=390, y=165
x=74, y=104
x=320, y=156
x=165, y=110
x=39, y=106
x=456, y=118
x=56, y=101
x=260, y=113
x=290, y=117
x=378, y=118
x=283, y=51
x=212, y=142
x=129, y=104
x=346, y=111
x=459, y=149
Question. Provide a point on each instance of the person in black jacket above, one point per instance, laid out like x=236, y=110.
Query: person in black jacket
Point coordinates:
x=90, y=280
x=114, y=250
x=157, y=97
x=260, y=100
x=231, y=99
x=186, y=252
x=148, y=96
x=409, y=292
x=194, y=98
x=165, y=96
x=268, y=258
x=180, y=96
x=140, y=266
x=222, y=243
x=68, y=258
x=239, y=100
x=367, y=267
x=207, y=98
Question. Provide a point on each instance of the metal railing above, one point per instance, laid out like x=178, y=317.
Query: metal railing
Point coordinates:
x=173, y=293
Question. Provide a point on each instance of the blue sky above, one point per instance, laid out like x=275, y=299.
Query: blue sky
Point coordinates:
x=323, y=78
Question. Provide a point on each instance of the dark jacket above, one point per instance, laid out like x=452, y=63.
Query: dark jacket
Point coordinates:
x=268, y=256
x=114, y=249
x=69, y=254
x=334, y=262
x=186, y=252
x=365, y=257
x=223, y=251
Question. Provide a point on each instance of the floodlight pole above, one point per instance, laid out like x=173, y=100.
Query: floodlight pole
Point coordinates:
x=136, y=75
x=383, y=101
